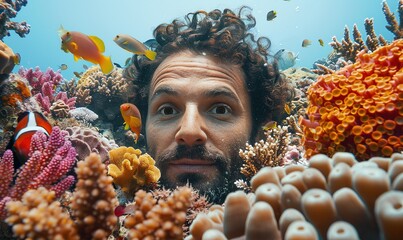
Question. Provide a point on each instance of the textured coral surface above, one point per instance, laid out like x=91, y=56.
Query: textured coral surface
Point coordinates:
x=131, y=170
x=359, y=108
x=334, y=198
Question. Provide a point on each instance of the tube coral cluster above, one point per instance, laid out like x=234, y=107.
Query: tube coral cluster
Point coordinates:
x=334, y=198
x=358, y=109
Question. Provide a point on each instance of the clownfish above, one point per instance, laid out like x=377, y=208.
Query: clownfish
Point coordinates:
x=28, y=124
x=132, y=117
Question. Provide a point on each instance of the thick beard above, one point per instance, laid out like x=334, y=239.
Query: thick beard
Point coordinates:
x=215, y=190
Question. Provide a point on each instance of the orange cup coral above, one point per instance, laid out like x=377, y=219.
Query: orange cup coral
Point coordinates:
x=359, y=108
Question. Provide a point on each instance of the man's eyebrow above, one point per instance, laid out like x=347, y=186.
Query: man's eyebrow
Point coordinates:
x=164, y=90
x=221, y=91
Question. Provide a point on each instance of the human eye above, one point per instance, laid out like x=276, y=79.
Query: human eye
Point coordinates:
x=167, y=110
x=220, y=109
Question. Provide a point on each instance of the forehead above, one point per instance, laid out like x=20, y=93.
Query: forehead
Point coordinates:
x=186, y=67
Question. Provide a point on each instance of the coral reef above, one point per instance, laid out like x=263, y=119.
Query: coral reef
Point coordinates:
x=8, y=10
x=40, y=216
x=87, y=140
x=131, y=170
x=14, y=91
x=49, y=162
x=7, y=60
x=93, y=213
x=102, y=93
x=345, y=52
x=359, y=108
x=334, y=198
x=44, y=85
x=83, y=114
x=270, y=152
x=394, y=26
x=162, y=220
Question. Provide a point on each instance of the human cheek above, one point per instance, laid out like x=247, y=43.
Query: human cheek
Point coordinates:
x=159, y=137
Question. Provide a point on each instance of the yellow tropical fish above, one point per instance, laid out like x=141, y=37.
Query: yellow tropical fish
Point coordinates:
x=89, y=48
x=132, y=117
x=133, y=45
x=321, y=42
x=269, y=125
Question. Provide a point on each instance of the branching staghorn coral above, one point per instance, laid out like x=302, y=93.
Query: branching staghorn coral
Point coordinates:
x=349, y=49
x=132, y=170
x=334, y=198
x=395, y=27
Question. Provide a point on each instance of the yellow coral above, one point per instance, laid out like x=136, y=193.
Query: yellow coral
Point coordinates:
x=130, y=169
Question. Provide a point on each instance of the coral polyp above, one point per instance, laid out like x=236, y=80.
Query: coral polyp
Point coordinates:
x=359, y=108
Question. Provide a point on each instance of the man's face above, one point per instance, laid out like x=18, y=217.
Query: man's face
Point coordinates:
x=199, y=116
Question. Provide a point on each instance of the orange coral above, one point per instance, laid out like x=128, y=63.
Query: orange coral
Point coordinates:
x=131, y=170
x=15, y=92
x=359, y=108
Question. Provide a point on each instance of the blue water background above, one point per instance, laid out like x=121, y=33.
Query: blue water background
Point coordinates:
x=296, y=20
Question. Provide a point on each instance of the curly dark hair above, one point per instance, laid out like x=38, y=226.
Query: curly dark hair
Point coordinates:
x=225, y=35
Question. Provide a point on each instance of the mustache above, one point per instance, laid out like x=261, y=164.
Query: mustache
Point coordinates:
x=195, y=152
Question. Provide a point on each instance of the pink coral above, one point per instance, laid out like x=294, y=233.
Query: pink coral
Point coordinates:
x=49, y=162
x=43, y=87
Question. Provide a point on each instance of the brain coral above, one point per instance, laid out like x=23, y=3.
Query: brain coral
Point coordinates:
x=359, y=108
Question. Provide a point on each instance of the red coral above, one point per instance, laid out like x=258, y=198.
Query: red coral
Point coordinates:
x=359, y=108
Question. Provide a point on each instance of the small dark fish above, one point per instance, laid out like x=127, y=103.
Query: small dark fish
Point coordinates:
x=151, y=43
x=321, y=42
x=63, y=67
x=85, y=67
x=117, y=65
x=271, y=15
x=306, y=43
x=77, y=74
x=128, y=61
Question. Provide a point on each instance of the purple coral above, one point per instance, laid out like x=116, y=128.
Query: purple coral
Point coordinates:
x=37, y=79
x=43, y=87
x=50, y=160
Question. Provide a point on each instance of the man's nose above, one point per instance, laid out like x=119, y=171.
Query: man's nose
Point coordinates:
x=191, y=131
